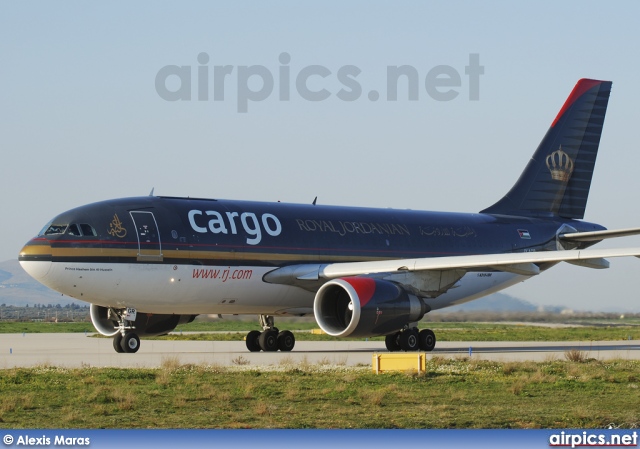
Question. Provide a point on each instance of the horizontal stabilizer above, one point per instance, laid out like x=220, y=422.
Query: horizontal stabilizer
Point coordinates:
x=596, y=236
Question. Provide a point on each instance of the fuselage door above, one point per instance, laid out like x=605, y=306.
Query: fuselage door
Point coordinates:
x=149, y=246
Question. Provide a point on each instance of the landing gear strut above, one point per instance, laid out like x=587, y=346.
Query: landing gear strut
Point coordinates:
x=125, y=341
x=411, y=340
x=270, y=339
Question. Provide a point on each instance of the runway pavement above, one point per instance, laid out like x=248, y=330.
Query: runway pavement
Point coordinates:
x=78, y=350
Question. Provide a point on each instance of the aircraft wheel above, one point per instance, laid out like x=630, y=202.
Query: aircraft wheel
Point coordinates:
x=253, y=344
x=130, y=342
x=409, y=340
x=427, y=340
x=268, y=340
x=286, y=341
x=391, y=342
x=117, y=343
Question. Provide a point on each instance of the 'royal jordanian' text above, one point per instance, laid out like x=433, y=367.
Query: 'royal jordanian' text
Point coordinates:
x=343, y=228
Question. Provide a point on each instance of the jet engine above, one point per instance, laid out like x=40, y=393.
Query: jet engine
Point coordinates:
x=365, y=307
x=146, y=324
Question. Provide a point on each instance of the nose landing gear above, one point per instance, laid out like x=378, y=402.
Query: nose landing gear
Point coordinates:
x=125, y=341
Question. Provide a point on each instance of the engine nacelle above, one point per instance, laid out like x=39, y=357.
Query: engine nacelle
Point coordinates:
x=146, y=324
x=365, y=307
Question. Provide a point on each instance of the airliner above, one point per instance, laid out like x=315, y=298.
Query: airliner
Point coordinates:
x=147, y=264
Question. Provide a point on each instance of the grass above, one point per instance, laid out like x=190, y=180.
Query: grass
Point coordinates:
x=456, y=332
x=453, y=393
x=445, y=331
x=18, y=327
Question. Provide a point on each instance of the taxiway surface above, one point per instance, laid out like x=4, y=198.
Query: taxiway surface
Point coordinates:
x=80, y=350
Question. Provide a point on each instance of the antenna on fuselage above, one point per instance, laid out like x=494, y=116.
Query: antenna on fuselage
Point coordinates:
x=152, y=189
x=314, y=201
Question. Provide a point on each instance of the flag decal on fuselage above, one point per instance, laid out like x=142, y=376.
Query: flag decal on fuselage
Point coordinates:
x=524, y=234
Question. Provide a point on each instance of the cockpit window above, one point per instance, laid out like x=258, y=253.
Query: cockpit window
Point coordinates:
x=55, y=229
x=73, y=230
x=87, y=229
x=82, y=229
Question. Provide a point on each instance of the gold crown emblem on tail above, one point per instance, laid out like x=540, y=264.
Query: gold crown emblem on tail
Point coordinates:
x=560, y=165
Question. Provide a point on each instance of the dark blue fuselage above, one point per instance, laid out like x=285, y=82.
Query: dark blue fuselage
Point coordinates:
x=221, y=232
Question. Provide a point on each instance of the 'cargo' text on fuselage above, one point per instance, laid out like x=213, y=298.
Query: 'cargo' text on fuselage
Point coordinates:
x=219, y=223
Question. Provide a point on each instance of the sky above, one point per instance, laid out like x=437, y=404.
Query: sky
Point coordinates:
x=110, y=100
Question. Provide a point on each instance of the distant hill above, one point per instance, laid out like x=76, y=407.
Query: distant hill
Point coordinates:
x=17, y=288
x=500, y=302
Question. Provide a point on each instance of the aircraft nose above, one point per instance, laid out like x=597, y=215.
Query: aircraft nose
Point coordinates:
x=35, y=258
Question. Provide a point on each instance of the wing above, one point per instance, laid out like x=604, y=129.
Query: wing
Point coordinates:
x=444, y=271
x=519, y=263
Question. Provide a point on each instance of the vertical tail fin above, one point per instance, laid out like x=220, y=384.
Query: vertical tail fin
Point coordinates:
x=558, y=177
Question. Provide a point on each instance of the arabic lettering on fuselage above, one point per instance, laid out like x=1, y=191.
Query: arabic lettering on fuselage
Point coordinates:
x=447, y=231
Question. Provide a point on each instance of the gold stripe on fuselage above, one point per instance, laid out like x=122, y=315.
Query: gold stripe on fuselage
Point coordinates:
x=36, y=250
x=108, y=253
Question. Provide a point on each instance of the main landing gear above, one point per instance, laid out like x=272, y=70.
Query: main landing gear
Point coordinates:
x=411, y=340
x=270, y=339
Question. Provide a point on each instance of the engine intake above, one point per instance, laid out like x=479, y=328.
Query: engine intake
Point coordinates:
x=147, y=325
x=365, y=307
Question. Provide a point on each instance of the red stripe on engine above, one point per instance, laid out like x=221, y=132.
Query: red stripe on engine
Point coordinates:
x=364, y=287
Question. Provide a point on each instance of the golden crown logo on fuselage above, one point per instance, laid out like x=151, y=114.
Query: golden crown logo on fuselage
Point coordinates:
x=560, y=165
x=116, y=229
